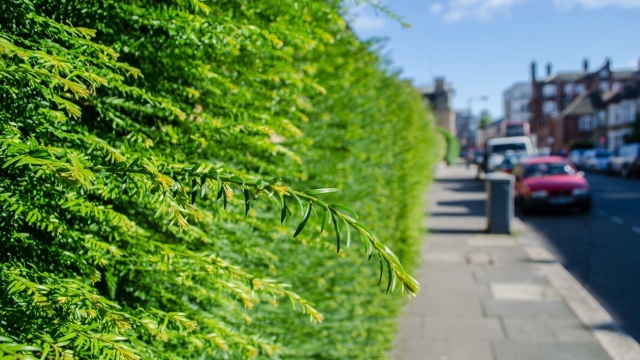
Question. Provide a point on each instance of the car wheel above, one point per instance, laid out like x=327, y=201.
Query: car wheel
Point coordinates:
x=624, y=172
x=610, y=171
x=585, y=208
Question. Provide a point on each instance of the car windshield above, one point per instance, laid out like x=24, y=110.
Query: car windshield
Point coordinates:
x=550, y=168
x=503, y=148
x=603, y=154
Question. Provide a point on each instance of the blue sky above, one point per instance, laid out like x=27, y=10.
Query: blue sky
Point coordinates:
x=484, y=46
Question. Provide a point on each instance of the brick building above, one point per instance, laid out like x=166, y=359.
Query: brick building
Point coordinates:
x=572, y=106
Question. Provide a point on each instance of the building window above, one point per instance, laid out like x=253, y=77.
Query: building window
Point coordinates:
x=580, y=88
x=568, y=90
x=586, y=122
x=604, y=85
x=617, y=86
x=549, y=107
x=549, y=90
x=624, y=112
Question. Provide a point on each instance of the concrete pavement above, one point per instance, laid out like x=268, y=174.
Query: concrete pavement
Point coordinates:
x=497, y=297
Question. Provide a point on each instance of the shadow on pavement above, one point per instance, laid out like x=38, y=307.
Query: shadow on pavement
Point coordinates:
x=472, y=207
x=456, y=231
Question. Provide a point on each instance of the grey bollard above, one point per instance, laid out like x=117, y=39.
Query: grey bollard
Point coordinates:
x=499, y=187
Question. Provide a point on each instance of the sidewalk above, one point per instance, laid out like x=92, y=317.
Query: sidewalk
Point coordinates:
x=497, y=297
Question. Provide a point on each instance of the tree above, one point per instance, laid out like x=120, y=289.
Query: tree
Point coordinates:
x=485, y=119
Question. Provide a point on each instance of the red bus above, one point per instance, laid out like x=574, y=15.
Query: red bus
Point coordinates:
x=515, y=128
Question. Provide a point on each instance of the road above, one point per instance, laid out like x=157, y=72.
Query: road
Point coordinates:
x=601, y=249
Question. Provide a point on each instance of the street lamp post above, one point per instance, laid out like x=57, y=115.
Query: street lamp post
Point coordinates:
x=472, y=126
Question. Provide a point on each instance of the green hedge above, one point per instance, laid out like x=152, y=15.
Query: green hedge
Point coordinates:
x=452, y=147
x=147, y=166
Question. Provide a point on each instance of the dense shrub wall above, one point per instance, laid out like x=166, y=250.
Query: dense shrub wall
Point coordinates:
x=150, y=151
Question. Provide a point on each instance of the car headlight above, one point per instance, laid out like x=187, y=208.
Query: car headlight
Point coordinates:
x=580, y=191
x=540, y=194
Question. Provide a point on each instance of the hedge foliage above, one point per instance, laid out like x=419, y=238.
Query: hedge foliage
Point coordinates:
x=151, y=152
x=452, y=152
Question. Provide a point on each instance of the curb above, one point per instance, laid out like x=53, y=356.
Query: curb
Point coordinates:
x=618, y=344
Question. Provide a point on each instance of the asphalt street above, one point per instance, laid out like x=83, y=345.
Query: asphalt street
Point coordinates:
x=600, y=249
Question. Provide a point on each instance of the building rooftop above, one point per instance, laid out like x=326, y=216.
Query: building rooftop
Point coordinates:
x=581, y=105
x=565, y=77
x=432, y=89
x=626, y=74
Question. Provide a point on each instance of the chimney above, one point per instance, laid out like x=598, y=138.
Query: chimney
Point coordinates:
x=607, y=63
x=585, y=65
x=439, y=84
x=549, y=69
x=533, y=70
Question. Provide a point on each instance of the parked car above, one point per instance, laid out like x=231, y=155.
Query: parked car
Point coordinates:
x=549, y=182
x=626, y=162
x=596, y=160
x=576, y=157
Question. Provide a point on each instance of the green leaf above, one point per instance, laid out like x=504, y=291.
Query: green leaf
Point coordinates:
x=325, y=219
x=45, y=350
x=348, y=230
x=321, y=191
x=194, y=190
x=224, y=199
x=299, y=203
x=346, y=209
x=390, y=274
x=125, y=181
x=15, y=159
x=237, y=179
x=247, y=201
x=220, y=188
x=67, y=337
x=337, y=228
x=203, y=188
x=304, y=220
x=283, y=212
x=196, y=167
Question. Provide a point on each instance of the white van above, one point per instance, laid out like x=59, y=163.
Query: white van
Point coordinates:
x=496, y=148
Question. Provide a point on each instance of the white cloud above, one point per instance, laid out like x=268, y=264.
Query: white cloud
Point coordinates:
x=458, y=10
x=597, y=4
x=368, y=22
x=436, y=8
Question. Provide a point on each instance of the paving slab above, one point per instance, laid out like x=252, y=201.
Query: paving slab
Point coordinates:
x=511, y=274
x=490, y=242
x=450, y=257
x=516, y=291
x=448, y=350
x=479, y=257
x=529, y=329
x=524, y=308
x=437, y=304
x=510, y=256
x=462, y=329
x=510, y=350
